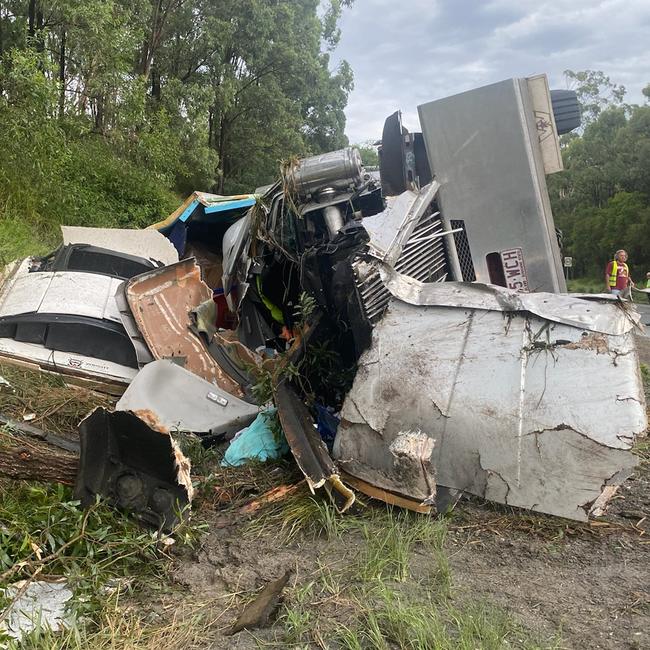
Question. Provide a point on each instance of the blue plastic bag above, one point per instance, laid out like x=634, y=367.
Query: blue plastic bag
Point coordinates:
x=256, y=442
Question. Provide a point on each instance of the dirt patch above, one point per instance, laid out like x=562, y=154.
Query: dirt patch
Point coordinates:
x=591, y=586
x=584, y=584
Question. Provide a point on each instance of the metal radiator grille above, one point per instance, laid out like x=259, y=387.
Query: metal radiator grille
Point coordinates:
x=462, y=249
x=423, y=257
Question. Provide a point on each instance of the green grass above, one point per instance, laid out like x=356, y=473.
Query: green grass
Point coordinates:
x=302, y=515
x=390, y=541
x=298, y=619
x=19, y=238
x=45, y=532
x=120, y=627
x=58, y=408
x=586, y=285
x=645, y=377
x=391, y=588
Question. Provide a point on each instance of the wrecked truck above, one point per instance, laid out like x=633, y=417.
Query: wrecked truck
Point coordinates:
x=413, y=330
x=440, y=289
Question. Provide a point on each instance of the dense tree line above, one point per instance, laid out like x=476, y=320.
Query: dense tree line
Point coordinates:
x=601, y=202
x=110, y=108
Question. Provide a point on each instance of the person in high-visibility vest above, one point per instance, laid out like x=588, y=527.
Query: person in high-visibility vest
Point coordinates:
x=617, y=275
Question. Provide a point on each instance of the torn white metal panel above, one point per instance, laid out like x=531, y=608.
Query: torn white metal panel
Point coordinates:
x=183, y=401
x=61, y=292
x=82, y=294
x=610, y=316
x=523, y=410
x=150, y=244
x=41, y=604
x=10, y=274
x=21, y=294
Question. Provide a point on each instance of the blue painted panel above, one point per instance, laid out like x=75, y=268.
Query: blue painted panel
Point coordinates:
x=177, y=235
x=187, y=213
x=229, y=205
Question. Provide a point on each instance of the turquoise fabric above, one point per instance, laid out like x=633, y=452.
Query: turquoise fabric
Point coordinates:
x=256, y=442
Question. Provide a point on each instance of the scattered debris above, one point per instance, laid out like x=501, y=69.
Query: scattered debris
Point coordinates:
x=308, y=449
x=271, y=496
x=387, y=497
x=389, y=318
x=133, y=461
x=258, y=612
x=182, y=401
x=45, y=436
x=35, y=604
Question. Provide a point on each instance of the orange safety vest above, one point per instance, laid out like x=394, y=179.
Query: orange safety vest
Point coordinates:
x=614, y=273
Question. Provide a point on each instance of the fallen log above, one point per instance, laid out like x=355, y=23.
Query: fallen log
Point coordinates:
x=37, y=463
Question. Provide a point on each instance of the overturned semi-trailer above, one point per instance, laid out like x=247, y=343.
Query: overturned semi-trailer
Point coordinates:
x=495, y=388
x=411, y=323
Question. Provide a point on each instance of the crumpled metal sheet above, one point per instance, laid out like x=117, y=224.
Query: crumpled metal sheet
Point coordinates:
x=389, y=230
x=161, y=302
x=523, y=410
x=613, y=317
x=149, y=244
x=59, y=292
x=184, y=402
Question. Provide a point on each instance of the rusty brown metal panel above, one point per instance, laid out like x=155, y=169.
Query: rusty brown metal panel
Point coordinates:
x=161, y=301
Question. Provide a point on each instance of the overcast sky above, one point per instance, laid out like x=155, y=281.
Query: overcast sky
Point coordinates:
x=407, y=52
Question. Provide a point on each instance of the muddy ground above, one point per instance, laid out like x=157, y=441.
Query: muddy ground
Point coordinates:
x=565, y=584
x=589, y=582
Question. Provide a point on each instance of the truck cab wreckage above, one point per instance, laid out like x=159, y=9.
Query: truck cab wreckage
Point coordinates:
x=412, y=328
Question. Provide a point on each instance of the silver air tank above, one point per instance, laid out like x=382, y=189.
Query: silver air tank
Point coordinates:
x=334, y=219
x=337, y=169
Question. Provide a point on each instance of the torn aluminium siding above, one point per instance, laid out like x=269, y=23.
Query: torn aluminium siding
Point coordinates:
x=523, y=410
x=148, y=244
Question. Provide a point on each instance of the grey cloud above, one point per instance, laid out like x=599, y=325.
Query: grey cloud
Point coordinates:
x=406, y=53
